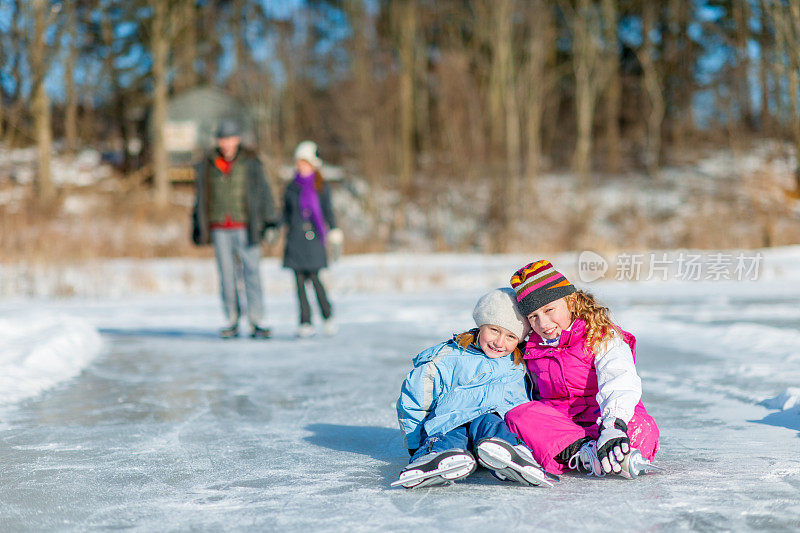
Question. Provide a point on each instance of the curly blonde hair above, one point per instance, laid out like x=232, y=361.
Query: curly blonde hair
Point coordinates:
x=599, y=327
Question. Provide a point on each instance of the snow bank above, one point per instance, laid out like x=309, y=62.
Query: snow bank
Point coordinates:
x=391, y=272
x=785, y=401
x=39, y=352
x=84, y=168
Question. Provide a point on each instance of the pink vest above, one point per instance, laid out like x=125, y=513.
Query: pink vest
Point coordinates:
x=566, y=372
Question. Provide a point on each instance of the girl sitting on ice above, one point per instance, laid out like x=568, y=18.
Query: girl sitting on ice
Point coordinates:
x=589, y=415
x=452, y=402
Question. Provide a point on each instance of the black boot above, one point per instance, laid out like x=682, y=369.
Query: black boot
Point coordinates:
x=230, y=332
x=260, y=333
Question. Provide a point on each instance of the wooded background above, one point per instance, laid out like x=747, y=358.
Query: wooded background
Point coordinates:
x=410, y=93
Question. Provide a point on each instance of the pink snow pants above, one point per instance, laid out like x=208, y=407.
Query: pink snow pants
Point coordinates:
x=549, y=426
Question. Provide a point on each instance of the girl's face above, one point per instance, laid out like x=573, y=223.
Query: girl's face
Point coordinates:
x=550, y=320
x=304, y=167
x=496, y=341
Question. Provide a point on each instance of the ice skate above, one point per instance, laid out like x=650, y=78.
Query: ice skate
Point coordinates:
x=260, y=333
x=229, y=332
x=305, y=331
x=330, y=327
x=436, y=469
x=514, y=463
x=634, y=465
x=585, y=460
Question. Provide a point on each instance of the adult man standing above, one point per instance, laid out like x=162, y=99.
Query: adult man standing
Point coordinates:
x=233, y=209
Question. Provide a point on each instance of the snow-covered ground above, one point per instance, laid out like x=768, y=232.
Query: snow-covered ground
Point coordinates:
x=120, y=408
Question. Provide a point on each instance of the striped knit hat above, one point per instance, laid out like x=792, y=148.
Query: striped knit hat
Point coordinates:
x=538, y=284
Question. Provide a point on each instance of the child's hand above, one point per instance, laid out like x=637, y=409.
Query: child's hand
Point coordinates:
x=613, y=445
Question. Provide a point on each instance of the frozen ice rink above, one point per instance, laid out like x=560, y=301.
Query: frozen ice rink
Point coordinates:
x=155, y=424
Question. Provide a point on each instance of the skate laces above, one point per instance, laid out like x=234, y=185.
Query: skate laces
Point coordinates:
x=585, y=460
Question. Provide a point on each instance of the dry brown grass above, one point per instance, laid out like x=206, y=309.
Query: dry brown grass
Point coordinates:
x=108, y=221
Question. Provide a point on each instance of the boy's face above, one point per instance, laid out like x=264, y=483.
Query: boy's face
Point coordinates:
x=550, y=320
x=496, y=341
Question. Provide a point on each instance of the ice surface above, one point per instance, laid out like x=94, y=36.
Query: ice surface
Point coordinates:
x=169, y=428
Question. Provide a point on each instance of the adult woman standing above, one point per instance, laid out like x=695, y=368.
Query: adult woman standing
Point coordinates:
x=309, y=217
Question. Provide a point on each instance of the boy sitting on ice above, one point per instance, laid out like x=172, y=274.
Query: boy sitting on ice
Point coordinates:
x=452, y=403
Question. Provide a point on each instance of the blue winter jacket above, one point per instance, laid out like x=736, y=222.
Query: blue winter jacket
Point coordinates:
x=451, y=385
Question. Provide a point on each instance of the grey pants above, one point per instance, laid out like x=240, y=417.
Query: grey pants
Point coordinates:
x=238, y=261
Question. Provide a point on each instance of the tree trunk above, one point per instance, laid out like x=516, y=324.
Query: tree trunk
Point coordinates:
x=212, y=51
x=786, y=21
x=186, y=75
x=741, y=17
x=288, y=98
x=764, y=45
x=160, y=49
x=45, y=191
x=362, y=76
x=584, y=57
x=71, y=104
x=539, y=81
x=613, y=89
x=652, y=86
x=793, y=51
x=237, y=81
x=408, y=29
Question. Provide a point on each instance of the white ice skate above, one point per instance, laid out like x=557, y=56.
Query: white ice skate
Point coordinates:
x=436, y=469
x=585, y=460
x=514, y=463
x=634, y=465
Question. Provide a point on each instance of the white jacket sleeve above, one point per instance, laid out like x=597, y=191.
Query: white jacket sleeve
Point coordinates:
x=619, y=386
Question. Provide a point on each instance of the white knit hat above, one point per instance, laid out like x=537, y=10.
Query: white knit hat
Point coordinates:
x=307, y=151
x=499, y=308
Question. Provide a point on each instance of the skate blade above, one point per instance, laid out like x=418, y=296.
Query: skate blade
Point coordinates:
x=452, y=468
x=644, y=469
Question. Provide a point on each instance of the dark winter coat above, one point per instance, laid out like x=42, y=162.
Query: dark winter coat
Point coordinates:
x=302, y=252
x=261, y=212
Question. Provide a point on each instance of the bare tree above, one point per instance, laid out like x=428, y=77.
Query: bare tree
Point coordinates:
x=503, y=118
x=538, y=81
x=786, y=21
x=766, y=48
x=741, y=17
x=613, y=94
x=587, y=67
x=406, y=14
x=362, y=78
x=186, y=45
x=43, y=17
x=71, y=104
x=159, y=43
x=652, y=87
x=289, y=94
x=677, y=72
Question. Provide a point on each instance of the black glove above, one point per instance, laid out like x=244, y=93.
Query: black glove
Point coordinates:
x=613, y=445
